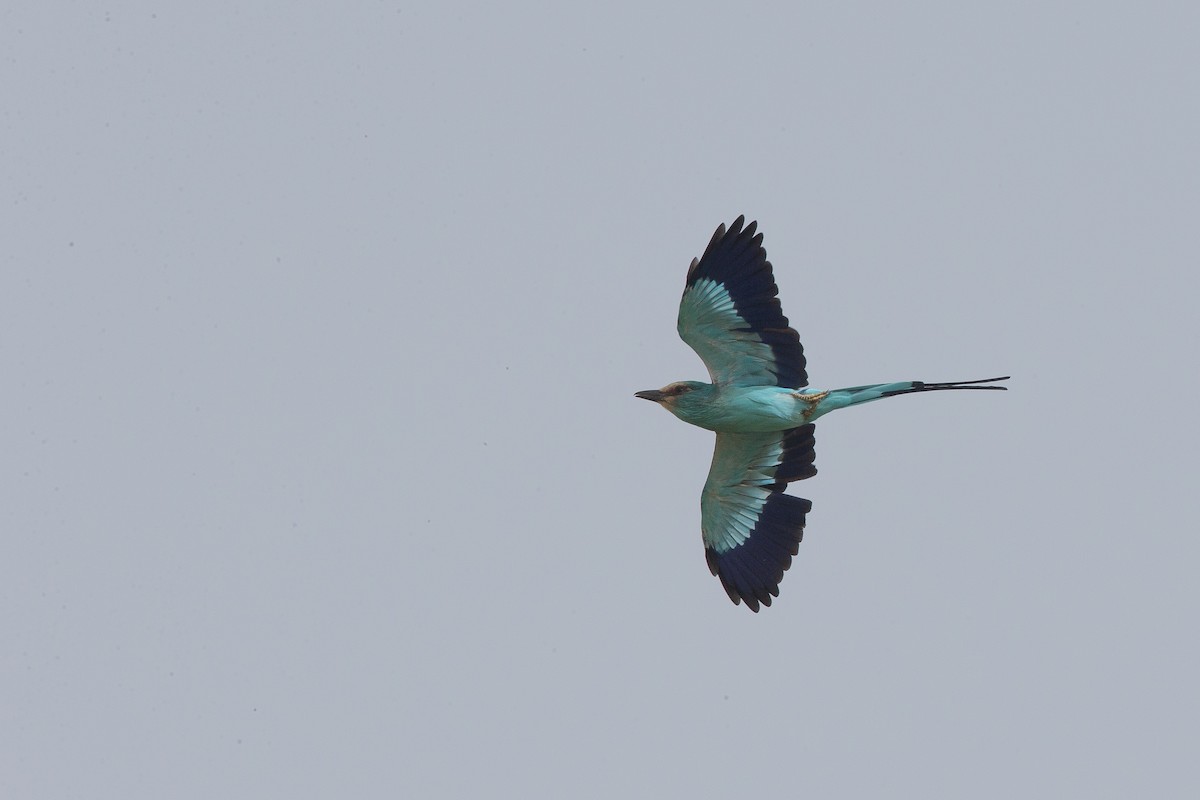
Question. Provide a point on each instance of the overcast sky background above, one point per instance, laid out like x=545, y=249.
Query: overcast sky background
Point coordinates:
x=322, y=474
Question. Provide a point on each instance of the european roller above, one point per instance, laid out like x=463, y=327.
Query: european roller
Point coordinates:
x=761, y=409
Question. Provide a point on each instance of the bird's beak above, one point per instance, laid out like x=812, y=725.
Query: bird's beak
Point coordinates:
x=651, y=394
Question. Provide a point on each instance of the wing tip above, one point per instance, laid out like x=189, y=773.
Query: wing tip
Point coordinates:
x=719, y=234
x=752, y=571
x=737, y=233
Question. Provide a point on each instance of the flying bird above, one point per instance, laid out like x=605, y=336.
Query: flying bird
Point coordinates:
x=761, y=410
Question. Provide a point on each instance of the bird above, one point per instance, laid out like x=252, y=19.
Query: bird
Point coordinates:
x=761, y=409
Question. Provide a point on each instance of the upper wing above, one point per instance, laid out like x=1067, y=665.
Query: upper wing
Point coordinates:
x=751, y=528
x=730, y=314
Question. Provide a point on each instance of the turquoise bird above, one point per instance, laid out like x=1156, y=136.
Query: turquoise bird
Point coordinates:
x=760, y=409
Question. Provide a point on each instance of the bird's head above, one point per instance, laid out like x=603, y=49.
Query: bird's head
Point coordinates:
x=673, y=395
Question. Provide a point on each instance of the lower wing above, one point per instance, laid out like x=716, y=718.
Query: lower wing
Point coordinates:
x=751, y=528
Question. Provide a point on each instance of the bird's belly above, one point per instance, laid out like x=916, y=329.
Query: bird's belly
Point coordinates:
x=758, y=409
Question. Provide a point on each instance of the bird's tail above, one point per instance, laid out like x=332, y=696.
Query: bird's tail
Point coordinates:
x=854, y=395
x=921, y=386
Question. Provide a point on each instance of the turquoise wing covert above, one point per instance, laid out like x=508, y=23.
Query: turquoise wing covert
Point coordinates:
x=751, y=528
x=730, y=314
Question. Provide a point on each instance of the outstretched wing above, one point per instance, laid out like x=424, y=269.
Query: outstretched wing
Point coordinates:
x=751, y=528
x=730, y=314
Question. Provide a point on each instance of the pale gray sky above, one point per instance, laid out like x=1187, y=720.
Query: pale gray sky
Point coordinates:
x=322, y=471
